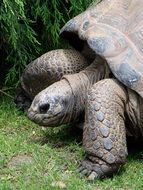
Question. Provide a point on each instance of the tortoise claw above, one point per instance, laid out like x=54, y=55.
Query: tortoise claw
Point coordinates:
x=80, y=169
x=86, y=169
x=84, y=172
x=92, y=176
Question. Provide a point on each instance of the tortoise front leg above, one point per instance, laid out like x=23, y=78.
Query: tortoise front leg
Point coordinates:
x=104, y=136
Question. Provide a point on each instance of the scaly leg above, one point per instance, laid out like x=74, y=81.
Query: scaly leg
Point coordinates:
x=45, y=71
x=104, y=136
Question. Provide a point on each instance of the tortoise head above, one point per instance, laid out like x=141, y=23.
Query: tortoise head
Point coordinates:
x=53, y=106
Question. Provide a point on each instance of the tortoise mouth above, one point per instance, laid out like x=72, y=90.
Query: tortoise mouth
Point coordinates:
x=45, y=119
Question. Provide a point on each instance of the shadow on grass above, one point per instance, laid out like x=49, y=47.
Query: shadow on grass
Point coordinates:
x=135, y=149
x=68, y=134
x=60, y=137
x=65, y=135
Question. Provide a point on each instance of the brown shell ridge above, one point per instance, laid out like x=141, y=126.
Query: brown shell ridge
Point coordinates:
x=127, y=39
x=133, y=80
x=127, y=66
x=120, y=30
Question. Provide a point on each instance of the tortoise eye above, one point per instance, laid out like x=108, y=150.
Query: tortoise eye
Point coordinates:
x=44, y=108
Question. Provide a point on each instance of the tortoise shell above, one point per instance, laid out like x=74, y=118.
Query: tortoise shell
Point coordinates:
x=114, y=30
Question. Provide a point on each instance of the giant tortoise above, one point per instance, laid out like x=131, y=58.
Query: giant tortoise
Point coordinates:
x=109, y=91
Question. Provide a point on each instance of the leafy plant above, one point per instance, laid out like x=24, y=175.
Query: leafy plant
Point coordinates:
x=29, y=29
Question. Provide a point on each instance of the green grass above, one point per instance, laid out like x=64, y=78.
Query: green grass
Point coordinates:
x=55, y=156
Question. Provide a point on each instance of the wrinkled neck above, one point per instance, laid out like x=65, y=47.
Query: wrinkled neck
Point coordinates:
x=82, y=81
x=96, y=71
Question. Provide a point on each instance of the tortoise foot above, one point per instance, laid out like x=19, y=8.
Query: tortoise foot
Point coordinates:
x=93, y=167
x=87, y=169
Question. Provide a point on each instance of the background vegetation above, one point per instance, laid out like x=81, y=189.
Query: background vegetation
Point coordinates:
x=30, y=28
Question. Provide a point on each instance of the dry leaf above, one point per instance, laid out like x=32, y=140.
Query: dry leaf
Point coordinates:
x=59, y=184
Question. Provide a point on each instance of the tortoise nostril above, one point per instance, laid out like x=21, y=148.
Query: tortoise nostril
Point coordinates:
x=44, y=108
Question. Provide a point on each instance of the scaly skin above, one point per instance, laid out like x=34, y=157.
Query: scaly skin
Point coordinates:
x=46, y=70
x=104, y=136
x=64, y=101
x=50, y=68
x=106, y=103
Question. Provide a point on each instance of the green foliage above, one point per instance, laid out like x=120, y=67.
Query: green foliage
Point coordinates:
x=29, y=29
